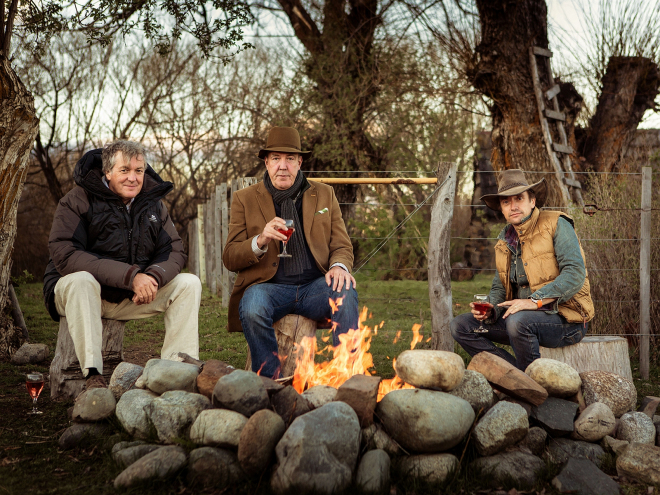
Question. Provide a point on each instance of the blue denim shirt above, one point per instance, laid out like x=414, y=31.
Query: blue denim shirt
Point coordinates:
x=570, y=280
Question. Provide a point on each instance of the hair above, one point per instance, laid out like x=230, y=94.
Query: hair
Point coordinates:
x=128, y=149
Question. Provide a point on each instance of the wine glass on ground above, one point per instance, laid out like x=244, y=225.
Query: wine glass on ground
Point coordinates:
x=287, y=232
x=35, y=384
x=482, y=304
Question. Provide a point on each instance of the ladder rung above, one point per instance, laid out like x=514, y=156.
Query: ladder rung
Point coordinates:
x=551, y=114
x=573, y=183
x=552, y=92
x=544, y=52
x=560, y=148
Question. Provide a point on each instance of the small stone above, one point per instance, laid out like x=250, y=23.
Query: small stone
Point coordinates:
x=159, y=464
x=162, y=375
x=522, y=403
x=613, y=445
x=289, y=404
x=214, y=468
x=595, y=423
x=320, y=395
x=131, y=412
x=535, y=440
x=617, y=392
x=373, y=473
x=30, y=354
x=475, y=389
x=212, y=371
x=505, y=424
x=173, y=413
x=559, y=379
x=636, y=427
x=126, y=457
x=561, y=450
x=649, y=406
x=272, y=387
x=519, y=467
x=640, y=462
x=125, y=445
x=124, y=378
x=556, y=416
x=94, y=405
x=82, y=435
x=241, y=391
x=256, y=445
x=361, y=393
x=424, y=368
x=430, y=468
x=583, y=476
x=656, y=419
x=374, y=437
x=218, y=428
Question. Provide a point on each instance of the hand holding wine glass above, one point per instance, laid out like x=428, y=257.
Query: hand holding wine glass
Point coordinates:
x=286, y=231
x=272, y=232
x=35, y=384
x=481, y=308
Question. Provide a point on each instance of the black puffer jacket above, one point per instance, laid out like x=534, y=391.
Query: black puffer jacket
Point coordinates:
x=92, y=231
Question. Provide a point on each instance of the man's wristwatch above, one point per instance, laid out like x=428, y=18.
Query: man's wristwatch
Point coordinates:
x=538, y=302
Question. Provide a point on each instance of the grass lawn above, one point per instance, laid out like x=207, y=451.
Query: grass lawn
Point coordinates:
x=30, y=461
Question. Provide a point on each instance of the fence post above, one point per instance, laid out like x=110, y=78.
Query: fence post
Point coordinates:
x=226, y=290
x=439, y=260
x=200, y=243
x=193, y=250
x=645, y=274
x=217, y=238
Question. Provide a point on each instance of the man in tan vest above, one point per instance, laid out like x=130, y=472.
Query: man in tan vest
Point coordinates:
x=540, y=294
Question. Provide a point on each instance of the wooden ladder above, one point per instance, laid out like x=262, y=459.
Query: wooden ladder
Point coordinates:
x=559, y=152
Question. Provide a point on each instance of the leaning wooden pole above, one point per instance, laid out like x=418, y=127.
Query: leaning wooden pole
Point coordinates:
x=439, y=261
x=645, y=275
x=372, y=180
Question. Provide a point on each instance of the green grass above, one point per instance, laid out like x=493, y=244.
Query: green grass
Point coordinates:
x=30, y=461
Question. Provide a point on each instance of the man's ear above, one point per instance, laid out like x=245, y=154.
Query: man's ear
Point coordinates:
x=108, y=175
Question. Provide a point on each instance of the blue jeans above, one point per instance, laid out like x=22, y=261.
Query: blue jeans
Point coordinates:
x=524, y=331
x=263, y=304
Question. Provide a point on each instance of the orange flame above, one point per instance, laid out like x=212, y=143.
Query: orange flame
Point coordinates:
x=417, y=337
x=396, y=338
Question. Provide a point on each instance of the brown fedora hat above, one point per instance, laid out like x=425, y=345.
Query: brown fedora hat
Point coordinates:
x=511, y=183
x=285, y=140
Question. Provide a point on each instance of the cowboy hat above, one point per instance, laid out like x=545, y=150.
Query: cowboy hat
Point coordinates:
x=285, y=140
x=511, y=183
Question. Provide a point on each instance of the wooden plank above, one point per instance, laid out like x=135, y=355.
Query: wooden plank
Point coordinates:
x=552, y=92
x=371, y=180
x=210, y=243
x=217, y=239
x=207, y=253
x=551, y=114
x=561, y=148
x=200, y=242
x=226, y=288
x=439, y=259
x=193, y=250
x=645, y=274
x=543, y=52
x=572, y=183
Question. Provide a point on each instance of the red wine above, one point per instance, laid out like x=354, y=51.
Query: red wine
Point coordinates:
x=483, y=308
x=286, y=232
x=34, y=388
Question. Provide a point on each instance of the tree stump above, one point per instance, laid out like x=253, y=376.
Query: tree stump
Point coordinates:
x=595, y=352
x=289, y=331
x=66, y=378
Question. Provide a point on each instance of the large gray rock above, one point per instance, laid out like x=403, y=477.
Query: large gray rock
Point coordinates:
x=289, y=404
x=583, y=476
x=636, y=427
x=428, y=468
x=556, y=416
x=640, y=462
x=131, y=412
x=241, y=391
x=520, y=467
x=158, y=465
x=319, y=395
x=173, y=413
x=559, y=379
x=30, y=354
x=163, y=375
x=373, y=473
x=595, y=423
x=318, y=452
x=425, y=368
x=214, y=468
x=374, y=437
x=503, y=425
x=124, y=378
x=218, y=428
x=617, y=392
x=94, y=405
x=256, y=445
x=126, y=457
x=424, y=420
x=82, y=435
x=534, y=441
x=475, y=389
x=560, y=450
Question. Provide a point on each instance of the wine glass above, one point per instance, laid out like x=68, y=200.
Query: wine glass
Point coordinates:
x=287, y=232
x=35, y=384
x=482, y=304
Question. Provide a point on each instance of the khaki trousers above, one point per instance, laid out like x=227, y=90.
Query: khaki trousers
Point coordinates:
x=78, y=298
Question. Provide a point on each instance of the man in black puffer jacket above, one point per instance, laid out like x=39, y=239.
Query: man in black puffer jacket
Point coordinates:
x=116, y=254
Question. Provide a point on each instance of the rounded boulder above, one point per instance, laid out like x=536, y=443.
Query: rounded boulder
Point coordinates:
x=559, y=379
x=617, y=392
x=256, y=445
x=424, y=368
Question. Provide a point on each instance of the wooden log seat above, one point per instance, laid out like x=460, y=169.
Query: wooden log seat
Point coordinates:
x=289, y=331
x=594, y=352
x=66, y=378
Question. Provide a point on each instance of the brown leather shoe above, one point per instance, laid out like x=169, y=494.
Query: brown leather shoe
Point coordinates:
x=96, y=381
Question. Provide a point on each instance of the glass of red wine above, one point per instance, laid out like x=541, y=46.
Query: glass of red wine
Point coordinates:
x=35, y=384
x=483, y=305
x=287, y=232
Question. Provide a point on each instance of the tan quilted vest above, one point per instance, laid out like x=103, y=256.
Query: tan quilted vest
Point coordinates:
x=540, y=263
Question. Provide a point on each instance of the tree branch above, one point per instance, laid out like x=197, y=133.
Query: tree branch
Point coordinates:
x=306, y=29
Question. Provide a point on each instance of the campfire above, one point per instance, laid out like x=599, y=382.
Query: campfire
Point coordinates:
x=350, y=357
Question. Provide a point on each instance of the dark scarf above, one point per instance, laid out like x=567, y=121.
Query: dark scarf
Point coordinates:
x=286, y=201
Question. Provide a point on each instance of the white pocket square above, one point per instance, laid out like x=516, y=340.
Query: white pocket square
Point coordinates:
x=321, y=212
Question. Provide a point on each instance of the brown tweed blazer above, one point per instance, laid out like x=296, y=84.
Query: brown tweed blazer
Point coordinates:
x=251, y=209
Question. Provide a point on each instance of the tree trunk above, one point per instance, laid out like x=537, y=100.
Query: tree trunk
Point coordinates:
x=630, y=86
x=19, y=126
